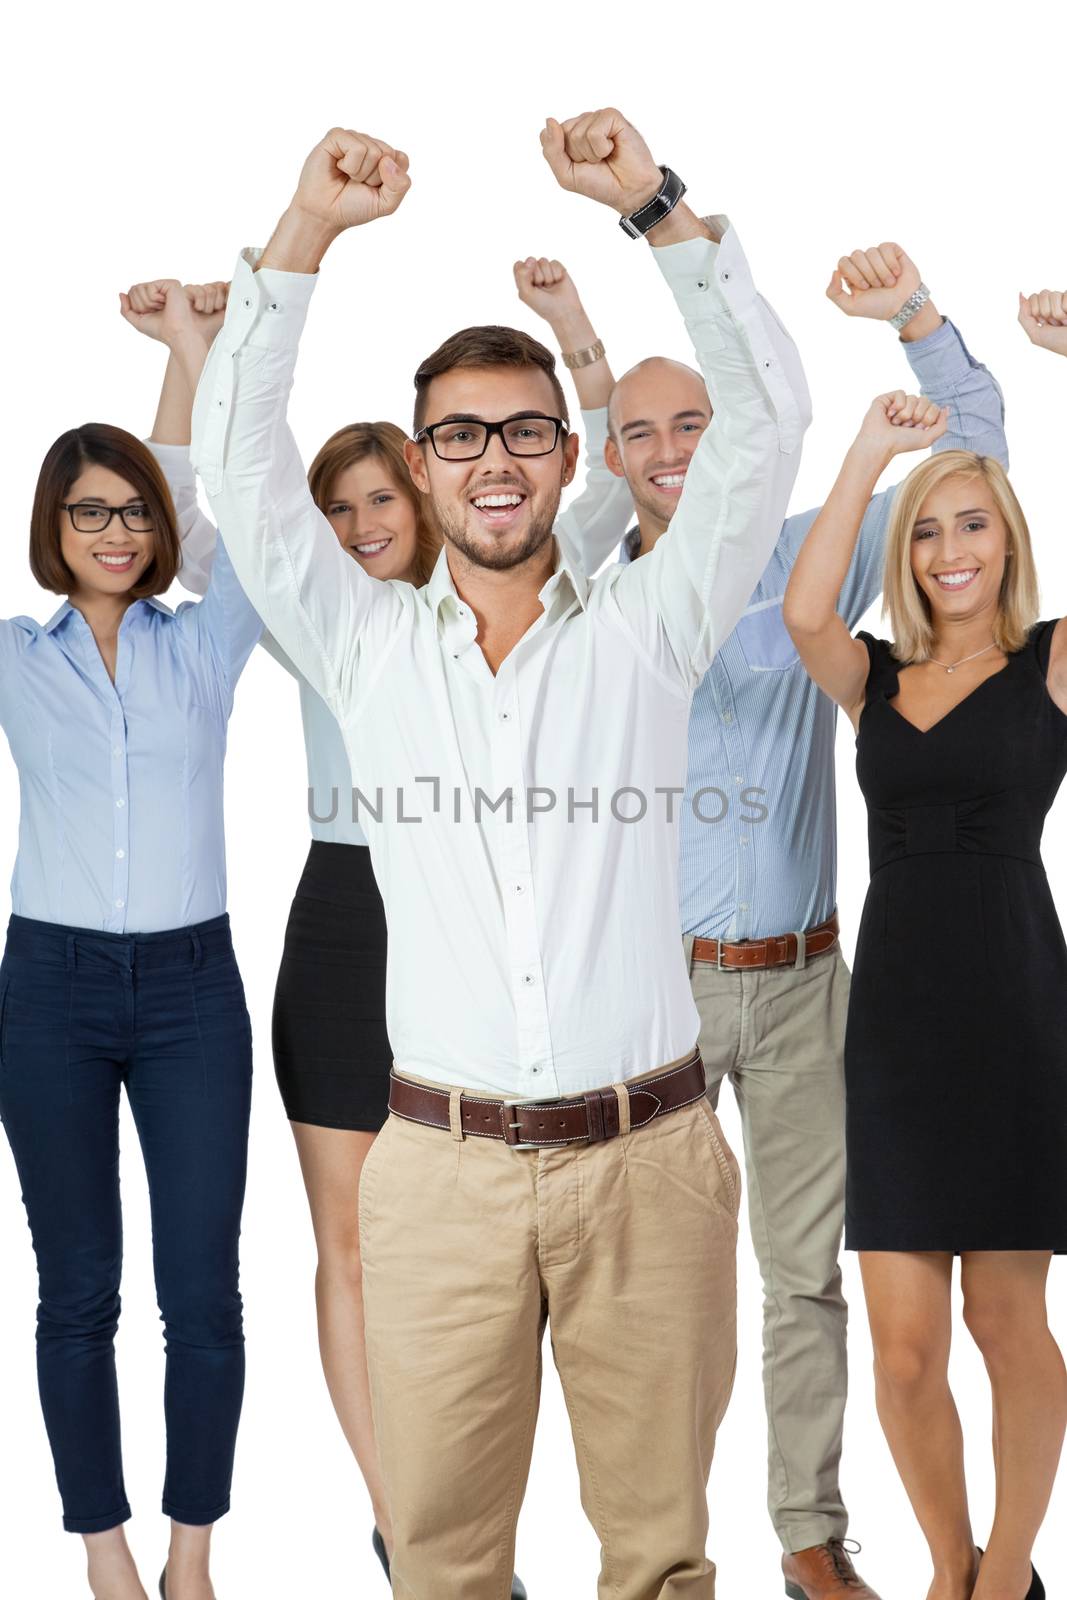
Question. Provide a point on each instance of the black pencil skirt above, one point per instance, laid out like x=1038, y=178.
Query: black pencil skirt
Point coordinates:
x=331, y=1049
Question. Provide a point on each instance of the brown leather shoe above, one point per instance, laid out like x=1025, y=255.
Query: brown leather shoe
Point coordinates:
x=824, y=1572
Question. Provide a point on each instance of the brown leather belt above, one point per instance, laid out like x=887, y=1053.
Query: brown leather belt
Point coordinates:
x=545, y=1124
x=778, y=951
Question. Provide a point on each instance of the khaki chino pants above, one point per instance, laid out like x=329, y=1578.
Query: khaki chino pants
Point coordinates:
x=627, y=1250
x=778, y=1035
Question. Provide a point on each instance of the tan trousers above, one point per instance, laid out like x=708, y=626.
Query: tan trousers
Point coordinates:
x=627, y=1249
x=778, y=1035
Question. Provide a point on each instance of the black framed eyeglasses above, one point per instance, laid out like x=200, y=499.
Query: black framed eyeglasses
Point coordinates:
x=90, y=518
x=466, y=438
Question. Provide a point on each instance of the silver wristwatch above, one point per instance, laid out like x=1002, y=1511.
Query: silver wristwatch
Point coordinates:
x=912, y=304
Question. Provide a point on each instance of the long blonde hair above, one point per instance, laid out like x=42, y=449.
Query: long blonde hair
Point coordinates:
x=904, y=601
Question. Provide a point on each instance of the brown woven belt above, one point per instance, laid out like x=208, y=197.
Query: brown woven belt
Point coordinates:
x=779, y=951
x=544, y=1124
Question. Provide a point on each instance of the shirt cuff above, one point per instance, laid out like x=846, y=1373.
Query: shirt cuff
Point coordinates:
x=941, y=359
x=266, y=309
x=175, y=460
x=595, y=423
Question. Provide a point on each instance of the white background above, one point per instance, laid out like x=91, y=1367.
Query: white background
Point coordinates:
x=142, y=141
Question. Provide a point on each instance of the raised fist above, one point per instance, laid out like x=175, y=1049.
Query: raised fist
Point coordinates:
x=547, y=288
x=1043, y=318
x=602, y=156
x=350, y=178
x=873, y=283
x=904, y=422
x=144, y=307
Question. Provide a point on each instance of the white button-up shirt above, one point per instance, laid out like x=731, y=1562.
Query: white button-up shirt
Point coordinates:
x=534, y=946
x=595, y=518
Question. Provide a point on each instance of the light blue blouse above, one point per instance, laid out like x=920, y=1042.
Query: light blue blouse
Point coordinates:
x=121, y=825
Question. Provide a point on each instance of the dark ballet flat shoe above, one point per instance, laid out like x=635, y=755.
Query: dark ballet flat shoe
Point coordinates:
x=380, y=1551
x=163, y=1584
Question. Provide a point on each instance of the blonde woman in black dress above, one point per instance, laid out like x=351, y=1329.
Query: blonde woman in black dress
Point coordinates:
x=956, y=1042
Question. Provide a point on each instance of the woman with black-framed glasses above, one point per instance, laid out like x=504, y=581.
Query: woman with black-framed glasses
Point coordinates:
x=119, y=971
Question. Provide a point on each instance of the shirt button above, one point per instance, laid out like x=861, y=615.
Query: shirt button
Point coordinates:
x=535, y=1069
x=527, y=978
x=737, y=777
x=743, y=839
x=505, y=716
x=116, y=749
x=702, y=283
x=518, y=888
x=727, y=716
x=120, y=855
x=743, y=906
x=725, y=277
x=120, y=802
x=120, y=904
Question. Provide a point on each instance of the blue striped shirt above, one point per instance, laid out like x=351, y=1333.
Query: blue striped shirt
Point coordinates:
x=758, y=820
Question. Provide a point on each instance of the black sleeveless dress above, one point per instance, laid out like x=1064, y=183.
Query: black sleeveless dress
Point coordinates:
x=956, y=1041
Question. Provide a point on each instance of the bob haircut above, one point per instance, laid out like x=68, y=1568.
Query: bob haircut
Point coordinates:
x=358, y=442
x=907, y=606
x=99, y=444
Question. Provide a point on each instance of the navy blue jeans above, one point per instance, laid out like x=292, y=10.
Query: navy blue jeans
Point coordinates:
x=81, y=1014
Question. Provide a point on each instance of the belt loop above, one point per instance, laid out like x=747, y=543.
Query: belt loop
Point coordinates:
x=718, y=956
x=455, y=1114
x=802, y=951
x=72, y=953
x=194, y=940
x=687, y=949
x=622, y=1094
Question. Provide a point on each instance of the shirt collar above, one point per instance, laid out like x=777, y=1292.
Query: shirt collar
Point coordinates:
x=66, y=609
x=567, y=582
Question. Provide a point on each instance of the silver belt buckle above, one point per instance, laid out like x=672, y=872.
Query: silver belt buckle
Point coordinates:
x=519, y=1145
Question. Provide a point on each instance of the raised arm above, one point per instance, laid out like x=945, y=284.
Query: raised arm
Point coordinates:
x=877, y=284
x=839, y=663
x=144, y=307
x=683, y=599
x=320, y=606
x=596, y=519
x=1043, y=318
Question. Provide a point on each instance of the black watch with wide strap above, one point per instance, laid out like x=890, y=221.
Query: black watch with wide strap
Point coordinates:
x=661, y=205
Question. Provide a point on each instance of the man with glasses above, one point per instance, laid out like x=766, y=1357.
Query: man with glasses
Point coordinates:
x=551, y=1153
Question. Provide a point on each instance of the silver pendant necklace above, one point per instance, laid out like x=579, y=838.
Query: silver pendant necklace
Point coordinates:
x=956, y=664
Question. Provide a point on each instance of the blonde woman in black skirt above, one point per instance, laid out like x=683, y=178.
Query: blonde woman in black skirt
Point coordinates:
x=331, y=1050
x=956, y=1040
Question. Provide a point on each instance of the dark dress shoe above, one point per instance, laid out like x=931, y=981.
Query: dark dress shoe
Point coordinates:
x=518, y=1588
x=824, y=1572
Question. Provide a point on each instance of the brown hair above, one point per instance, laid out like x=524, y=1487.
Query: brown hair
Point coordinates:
x=491, y=346
x=357, y=442
x=99, y=444
x=908, y=607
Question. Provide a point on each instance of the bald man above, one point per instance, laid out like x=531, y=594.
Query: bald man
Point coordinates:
x=758, y=896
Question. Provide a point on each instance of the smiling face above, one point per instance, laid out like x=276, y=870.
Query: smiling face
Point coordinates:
x=373, y=519
x=106, y=560
x=959, y=548
x=499, y=509
x=658, y=412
